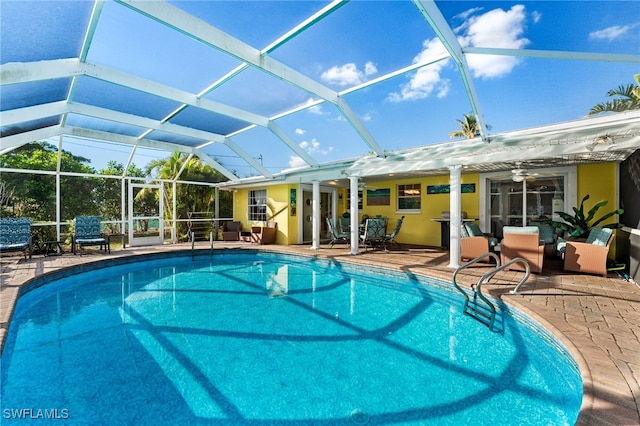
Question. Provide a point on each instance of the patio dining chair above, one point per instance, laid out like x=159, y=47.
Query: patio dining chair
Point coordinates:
x=336, y=236
x=374, y=232
x=390, y=239
x=87, y=233
x=15, y=235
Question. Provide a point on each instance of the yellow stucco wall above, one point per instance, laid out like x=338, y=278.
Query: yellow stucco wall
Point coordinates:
x=277, y=210
x=600, y=183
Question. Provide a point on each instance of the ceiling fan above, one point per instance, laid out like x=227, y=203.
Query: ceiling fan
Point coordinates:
x=519, y=174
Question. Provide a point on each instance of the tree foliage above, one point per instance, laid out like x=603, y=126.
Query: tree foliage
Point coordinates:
x=625, y=98
x=468, y=128
x=190, y=198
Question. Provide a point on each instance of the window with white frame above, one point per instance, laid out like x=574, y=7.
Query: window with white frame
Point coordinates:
x=409, y=197
x=258, y=205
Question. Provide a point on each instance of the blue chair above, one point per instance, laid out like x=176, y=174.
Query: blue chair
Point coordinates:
x=337, y=237
x=391, y=238
x=87, y=233
x=15, y=235
x=375, y=232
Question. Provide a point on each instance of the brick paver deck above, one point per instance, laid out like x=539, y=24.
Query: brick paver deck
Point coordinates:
x=596, y=318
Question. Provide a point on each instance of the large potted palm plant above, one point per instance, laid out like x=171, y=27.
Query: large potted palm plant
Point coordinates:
x=579, y=224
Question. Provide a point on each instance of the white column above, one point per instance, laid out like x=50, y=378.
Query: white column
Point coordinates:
x=455, y=216
x=353, y=209
x=315, y=211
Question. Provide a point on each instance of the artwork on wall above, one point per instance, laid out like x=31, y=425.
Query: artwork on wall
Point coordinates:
x=379, y=197
x=292, y=201
x=465, y=188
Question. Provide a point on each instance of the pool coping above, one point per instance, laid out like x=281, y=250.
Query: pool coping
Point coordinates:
x=595, y=409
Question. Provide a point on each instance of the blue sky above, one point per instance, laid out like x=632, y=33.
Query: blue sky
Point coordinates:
x=364, y=40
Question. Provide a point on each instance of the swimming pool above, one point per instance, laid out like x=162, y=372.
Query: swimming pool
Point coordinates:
x=247, y=337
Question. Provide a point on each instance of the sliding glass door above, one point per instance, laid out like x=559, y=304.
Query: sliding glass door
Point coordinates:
x=520, y=200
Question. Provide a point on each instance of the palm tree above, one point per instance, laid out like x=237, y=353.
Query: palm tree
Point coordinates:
x=468, y=128
x=627, y=98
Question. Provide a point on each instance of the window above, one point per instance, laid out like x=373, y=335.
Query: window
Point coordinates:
x=349, y=199
x=258, y=205
x=409, y=197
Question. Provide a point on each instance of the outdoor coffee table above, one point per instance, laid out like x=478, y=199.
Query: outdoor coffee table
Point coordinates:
x=53, y=248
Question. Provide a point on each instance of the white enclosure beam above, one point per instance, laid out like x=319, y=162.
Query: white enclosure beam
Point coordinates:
x=292, y=144
x=9, y=143
x=444, y=32
x=248, y=158
x=199, y=30
x=558, y=54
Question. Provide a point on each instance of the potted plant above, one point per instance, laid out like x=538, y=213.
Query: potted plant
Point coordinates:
x=578, y=225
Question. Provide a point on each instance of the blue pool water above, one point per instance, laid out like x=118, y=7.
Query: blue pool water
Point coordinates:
x=256, y=338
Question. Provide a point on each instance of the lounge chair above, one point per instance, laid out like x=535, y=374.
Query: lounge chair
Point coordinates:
x=524, y=242
x=390, y=239
x=15, y=235
x=374, y=232
x=336, y=236
x=87, y=233
x=589, y=256
x=231, y=231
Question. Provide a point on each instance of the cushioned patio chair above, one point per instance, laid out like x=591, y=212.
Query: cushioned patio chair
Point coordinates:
x=264, y=234
x=87, y=233
x=337, y=236
x=589, y=256
x=548, y=235
x=15, y=235
x=524, y=242
x=231, y=231
x=375, y=231
x=472, y=245
x=390, y=239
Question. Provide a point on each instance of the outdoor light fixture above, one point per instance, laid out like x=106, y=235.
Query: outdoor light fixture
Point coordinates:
x=601, y=140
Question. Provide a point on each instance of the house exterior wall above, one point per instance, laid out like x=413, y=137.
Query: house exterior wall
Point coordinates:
x=599, y=181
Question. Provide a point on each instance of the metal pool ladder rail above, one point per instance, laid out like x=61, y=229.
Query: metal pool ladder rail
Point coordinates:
x=479, y=307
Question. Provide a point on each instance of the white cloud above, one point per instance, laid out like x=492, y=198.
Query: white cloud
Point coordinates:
x=495, y=28
x=300, y=132
x=312, y=147
x=295, y=162
x=348, y=74
x=612, y=33
x=464, y=15
x=427, y=79
x=317, y=110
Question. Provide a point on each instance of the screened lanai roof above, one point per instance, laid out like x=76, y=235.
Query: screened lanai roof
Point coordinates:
x=300, y=90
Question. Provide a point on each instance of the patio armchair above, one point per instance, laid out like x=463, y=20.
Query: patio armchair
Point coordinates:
x=87, y=233
x=524, y=242
x=589, y=256
x=231, y=231
x=336, y=236
x=474, y=242
x=15, y=235
x=548, y=235
x=264, y=234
